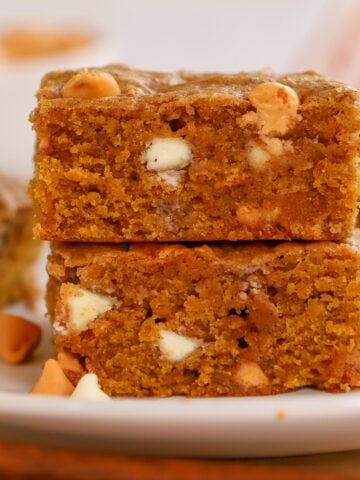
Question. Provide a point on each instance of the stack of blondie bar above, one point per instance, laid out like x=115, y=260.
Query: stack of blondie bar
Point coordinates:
x=200, y=227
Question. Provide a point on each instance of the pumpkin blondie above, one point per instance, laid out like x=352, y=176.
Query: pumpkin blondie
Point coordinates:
x=207, y=320
x=127, y=155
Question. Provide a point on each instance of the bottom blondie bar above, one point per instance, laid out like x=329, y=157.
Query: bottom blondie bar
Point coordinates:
x=200, y=320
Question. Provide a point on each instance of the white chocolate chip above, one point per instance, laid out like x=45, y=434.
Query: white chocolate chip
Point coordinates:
x=83, y=306
x=257, y=156
x=171, y=177
x=176, y=347
x=88, y=388
x=167, y=154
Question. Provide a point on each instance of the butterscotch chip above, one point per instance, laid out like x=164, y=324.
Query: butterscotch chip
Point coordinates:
x=91, y=84
x=18, y=339
x=21, y=42
x=67, y=361
x=52, y=381
x=276, y=105
x=251, y=374
x=71, y=366
x=252, y=216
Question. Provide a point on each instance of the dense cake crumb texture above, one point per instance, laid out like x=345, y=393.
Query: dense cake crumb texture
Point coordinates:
x=201, y=320
x=126, y=155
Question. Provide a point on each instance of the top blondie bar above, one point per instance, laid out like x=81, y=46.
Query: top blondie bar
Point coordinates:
x=126, y=155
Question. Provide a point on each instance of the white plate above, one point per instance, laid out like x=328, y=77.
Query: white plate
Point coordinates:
x=298, y=423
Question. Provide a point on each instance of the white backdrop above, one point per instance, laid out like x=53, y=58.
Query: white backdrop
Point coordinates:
x=224, y=35
x=197, y=34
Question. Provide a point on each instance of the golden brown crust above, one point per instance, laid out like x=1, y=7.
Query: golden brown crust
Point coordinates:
x=138, y=83
x=263, y=318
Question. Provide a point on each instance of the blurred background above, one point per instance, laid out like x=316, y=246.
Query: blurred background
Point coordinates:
x=216, y=35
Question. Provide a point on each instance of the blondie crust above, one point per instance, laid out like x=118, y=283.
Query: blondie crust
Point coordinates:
x=220, y=320
x=126, y=155
x=18, y=250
